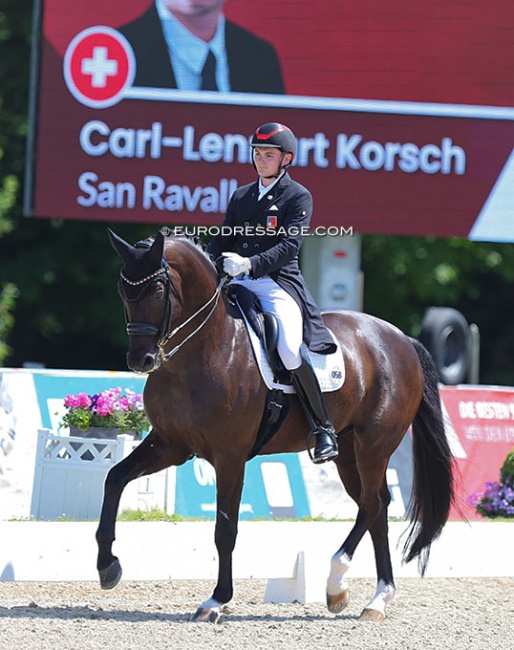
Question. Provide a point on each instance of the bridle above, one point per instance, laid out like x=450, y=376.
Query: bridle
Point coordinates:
x=148, y=329
x=164, y=333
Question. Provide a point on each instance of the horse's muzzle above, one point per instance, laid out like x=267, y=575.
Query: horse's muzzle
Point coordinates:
x=144, y=363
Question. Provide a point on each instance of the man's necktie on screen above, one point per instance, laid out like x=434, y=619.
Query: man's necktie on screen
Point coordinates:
x=209, y=73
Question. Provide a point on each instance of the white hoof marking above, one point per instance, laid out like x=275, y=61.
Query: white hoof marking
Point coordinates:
x=336, y=583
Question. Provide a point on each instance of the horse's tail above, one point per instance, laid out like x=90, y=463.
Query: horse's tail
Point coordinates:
x=433, y=484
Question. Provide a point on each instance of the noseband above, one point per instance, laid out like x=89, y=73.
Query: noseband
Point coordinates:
x=164, y=332
x=148, y=329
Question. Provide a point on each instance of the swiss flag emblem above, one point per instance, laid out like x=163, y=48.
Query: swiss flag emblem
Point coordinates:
x=98, y=65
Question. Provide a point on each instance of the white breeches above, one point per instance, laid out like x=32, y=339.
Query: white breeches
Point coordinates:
x=290, y=325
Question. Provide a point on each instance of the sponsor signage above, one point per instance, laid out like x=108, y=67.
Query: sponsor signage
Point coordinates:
x=480, y=428
x=405, y=123
x=482, y=434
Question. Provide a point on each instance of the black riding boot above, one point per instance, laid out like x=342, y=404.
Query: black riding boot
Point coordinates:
x=311, y=398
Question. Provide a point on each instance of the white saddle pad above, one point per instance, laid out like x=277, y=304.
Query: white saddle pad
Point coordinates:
x=329, y=368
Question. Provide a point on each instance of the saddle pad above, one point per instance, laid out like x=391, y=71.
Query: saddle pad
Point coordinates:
x=329, y=368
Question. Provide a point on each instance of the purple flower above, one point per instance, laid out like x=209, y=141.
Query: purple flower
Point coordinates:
x=474, y=499
x=492, y=490
x=508, y=493
x=112, y=408
x=496, y=500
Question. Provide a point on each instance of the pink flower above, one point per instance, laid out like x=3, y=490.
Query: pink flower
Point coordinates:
x=104, y=405
x=81, y=400
x=134, y=401
x=113, y=408
x=123, y=404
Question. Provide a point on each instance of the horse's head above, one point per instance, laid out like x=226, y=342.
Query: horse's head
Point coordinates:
x=145, y=288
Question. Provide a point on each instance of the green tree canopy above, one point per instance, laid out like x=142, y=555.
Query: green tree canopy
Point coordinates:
x=58, y=278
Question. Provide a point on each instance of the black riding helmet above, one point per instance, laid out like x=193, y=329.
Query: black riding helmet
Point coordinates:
x=279, y=136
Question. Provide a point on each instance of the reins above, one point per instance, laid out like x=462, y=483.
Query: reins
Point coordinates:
x=167, y=355
x=147, y=329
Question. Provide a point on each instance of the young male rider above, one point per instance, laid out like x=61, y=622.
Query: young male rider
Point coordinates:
x=260, y=240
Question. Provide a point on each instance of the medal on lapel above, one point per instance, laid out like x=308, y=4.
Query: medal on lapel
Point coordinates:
x=271, y=221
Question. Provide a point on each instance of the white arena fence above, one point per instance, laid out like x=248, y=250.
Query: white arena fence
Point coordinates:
x=70, y=473
x=294, y=557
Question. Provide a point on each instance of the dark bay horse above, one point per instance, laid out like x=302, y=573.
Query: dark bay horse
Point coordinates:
x=204, y=396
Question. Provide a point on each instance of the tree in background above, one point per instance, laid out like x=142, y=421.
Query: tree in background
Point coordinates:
x=12, y=129
x=403, y=276
x=8, y=291
x=58, y=278
x=63, y=273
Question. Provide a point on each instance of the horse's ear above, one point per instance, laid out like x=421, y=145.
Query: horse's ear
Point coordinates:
x=156, y=251
x=120, y=245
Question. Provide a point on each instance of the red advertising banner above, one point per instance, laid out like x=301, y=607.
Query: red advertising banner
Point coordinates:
x=482, y=423
x=404, y=113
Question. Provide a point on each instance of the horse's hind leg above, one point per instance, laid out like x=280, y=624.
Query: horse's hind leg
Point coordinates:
x=366, y=487
x=152, y=455
x=386, y=590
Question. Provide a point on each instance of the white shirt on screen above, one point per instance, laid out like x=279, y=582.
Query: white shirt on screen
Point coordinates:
x=188, y=53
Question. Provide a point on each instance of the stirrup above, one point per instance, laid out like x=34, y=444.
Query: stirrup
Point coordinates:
x=330, y=455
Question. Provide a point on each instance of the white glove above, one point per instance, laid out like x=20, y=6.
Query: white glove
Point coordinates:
x=234, y=264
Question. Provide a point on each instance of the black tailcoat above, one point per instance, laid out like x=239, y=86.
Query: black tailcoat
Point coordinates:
x=252, y=62
x=270, y=233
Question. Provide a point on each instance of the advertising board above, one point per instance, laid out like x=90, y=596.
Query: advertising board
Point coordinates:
x=404, y=112
x=482, y=419
x=480, y=427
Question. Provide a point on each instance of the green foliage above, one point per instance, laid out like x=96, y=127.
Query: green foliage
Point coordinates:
x=8, y=196
x=403, y=276
x=154, y=514
x=427, y=271
x=8, y=292
x=68, y=314
x=7, y=299
x=15, y=19
x=113, y=408
x=507, y=470
x=496, y=499
x=157, y=514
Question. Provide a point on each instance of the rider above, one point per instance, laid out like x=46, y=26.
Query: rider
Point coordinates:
x=260, y=240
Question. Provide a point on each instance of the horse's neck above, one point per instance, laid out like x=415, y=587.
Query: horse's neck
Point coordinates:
x=198, y=285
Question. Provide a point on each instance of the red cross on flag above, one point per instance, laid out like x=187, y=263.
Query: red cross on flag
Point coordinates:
x=98, y=65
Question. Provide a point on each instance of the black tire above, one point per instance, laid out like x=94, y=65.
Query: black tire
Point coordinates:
x=446, y=335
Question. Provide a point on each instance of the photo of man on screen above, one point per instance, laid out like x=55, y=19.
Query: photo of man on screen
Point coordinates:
x=190, y=45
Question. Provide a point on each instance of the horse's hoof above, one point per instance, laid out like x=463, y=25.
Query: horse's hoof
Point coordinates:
x=110, y=577
x=372, y=615
x=204, y=615
x=336, y=603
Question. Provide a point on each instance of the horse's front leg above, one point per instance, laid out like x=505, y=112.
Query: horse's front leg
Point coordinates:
x=152, y=455
x=229, y=479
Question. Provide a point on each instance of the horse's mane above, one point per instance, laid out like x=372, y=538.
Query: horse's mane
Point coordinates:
x=192, y=240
